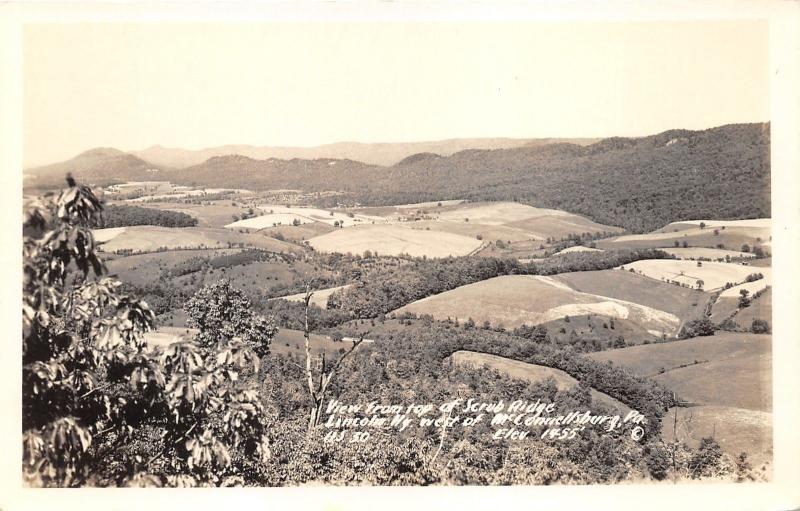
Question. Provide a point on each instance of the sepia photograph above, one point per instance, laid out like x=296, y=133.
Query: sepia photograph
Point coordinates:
x=274, y=253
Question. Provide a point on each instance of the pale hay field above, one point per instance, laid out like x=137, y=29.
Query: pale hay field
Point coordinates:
x=708, y=253
x=713, y=274
x=577, y=248
x=264, y=221
x=395, y=239
x=497, y=213
x=148, y=238
x=320, y=215
x=765, y=223
x=491, y=221
x=108, y=234
x=752, y=287
x=319, y=298
x=687, y=234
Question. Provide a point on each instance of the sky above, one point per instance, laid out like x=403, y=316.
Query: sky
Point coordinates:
x=130, y=86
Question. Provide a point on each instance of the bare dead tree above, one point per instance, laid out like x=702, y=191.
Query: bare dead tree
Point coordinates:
x=326, y=374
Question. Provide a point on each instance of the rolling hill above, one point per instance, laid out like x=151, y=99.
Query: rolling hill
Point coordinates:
x=100, y=166
x=372, y=153
x=516, y=300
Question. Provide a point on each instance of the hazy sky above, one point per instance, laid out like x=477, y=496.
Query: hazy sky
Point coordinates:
x=130, y=86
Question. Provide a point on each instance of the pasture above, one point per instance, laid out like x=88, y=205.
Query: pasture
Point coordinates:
x=714, y=254
x=727, y=369
x=297, y=232
x=270, y=220
x=759, y=223
x=736, y=430
x=289, y=341
x=328, y=216
x=713, y=275
x=218, y=213
x=740, y=381
x=515, y=300
x=760, y=308
x=394, y=240
x=729, y=238
x=751, y=287
x=319, y=298
x=142, y=269
x=685, y=303
x=531, y=373
x=147, y=238
x=577, y=248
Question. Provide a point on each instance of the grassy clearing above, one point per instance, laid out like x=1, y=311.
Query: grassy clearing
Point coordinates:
x=256, y=276
x=217, y=214
x=685, y=303
x=751, y=287
x=292, y=342
x=577, y=248
x=298, y=232
x=328, y=216
x=735, y=429
x=760, y=308
x=146, y=268
x=166, y=335
x=150, y=238
x=743, y=381
x=730, y=238
x=319, y=298
x=599, y=327
x=723, y=308
x=263, y=221
x=515, y=300
x=761, y=223
x=649, y=359
x=531, y=373
x=394, y=240
x=714, y=275
x=715, y=254
x=490, y=233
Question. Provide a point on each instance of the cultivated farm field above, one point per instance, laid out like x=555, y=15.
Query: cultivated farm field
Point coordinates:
x=312, y=214
x=515, y=300
x=714, y=275
x=147, y=238
x=395, y=240
x=732, y=238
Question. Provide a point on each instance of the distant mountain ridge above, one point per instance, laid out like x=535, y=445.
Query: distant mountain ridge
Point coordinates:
x=385, y=154
x=638, y=183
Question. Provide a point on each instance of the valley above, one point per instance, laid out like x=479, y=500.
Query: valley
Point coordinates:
x=552, y=297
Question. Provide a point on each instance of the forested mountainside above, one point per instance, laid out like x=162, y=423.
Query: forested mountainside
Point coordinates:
x=373, y=153
x=640, y=184
x=637, y=183
x=100, y=166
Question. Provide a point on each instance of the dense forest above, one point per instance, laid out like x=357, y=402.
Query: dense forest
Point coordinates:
x=640, y=184
x=123, y=216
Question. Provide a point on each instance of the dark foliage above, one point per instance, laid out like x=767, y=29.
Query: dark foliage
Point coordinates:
x=124, y=216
